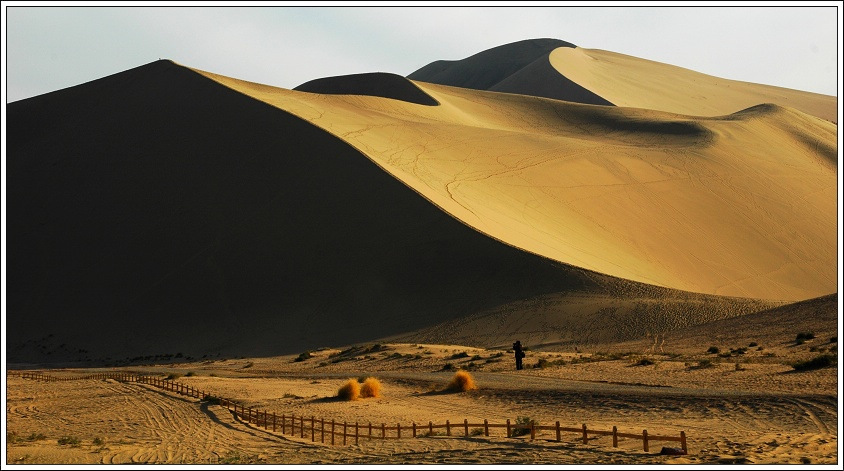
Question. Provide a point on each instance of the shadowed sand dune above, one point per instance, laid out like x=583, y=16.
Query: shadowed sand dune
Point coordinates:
x=521, y=67
x=374, y=84
x=157, y=211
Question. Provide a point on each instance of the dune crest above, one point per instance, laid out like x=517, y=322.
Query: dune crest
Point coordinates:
x=377, y=84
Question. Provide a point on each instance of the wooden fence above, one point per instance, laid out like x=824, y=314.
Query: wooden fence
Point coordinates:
x=314, y=428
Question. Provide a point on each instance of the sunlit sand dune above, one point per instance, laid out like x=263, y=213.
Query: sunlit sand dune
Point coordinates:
x=737, y=205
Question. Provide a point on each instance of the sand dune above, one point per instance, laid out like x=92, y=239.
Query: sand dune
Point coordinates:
x=639, y=83
x=521, y=67
x=156, y=211
x=739, y=205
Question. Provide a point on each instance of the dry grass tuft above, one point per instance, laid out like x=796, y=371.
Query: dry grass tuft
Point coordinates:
x=371, y=387
x=349, y=391
x=461, y=381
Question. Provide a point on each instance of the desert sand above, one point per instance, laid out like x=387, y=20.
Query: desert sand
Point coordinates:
x=763, y=412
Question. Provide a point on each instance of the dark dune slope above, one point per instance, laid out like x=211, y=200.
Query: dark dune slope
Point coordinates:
x=374, y=84
x=155, y=211
x=521, y=67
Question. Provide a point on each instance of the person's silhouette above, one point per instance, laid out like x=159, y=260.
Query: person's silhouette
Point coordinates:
x=519, y=353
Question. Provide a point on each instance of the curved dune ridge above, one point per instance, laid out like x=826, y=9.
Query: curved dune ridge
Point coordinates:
x=739, y=205
x=373, y=84
x=521, y=67
x=633, y=82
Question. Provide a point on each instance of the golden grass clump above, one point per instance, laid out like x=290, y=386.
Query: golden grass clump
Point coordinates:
x=371, y=387
x=349, y=391
x=461, y=381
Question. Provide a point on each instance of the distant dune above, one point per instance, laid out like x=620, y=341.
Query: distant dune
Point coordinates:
x=168, y=210
x=521, y=67
x=375, y=84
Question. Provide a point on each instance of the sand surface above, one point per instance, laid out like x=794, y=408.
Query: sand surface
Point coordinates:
x=738, y=205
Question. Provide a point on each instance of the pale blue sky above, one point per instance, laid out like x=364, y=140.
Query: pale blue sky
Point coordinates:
x=49, y=48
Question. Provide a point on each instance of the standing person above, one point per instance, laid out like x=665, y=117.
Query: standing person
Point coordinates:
x=519, y=353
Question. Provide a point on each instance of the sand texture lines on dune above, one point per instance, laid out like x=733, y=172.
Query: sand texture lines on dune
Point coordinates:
x=737, y=205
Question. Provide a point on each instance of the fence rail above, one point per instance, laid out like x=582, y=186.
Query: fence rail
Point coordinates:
x=331, y=431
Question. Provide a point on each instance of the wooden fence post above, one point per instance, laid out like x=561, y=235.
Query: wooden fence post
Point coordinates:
x=486, y=428
x=508, y=428
x=344, y=432
x=430, y=428
x=614, y=436
x=383, y=431
x=313, y=430
x=332, y=431
x=447, y=428
x=356, y=433
x=301, y=426
x=322, y=429
x=585, y=438
x=683, y=442
x=398, y=430
x=466, y=428
x=645, y=440
x=558, y=430
x=273, y=421
x=370, y=430
x=414, y=429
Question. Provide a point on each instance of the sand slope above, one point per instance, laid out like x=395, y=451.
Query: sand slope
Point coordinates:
x=738, y=205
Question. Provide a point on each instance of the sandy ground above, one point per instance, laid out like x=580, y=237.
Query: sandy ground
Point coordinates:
x=763, y=412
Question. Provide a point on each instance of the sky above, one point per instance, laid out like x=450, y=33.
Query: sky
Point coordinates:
x=48, y=48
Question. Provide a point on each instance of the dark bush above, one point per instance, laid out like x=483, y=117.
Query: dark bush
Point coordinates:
x=818, y=362
x=713, y=349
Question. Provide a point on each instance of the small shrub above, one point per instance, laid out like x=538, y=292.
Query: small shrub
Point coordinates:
x=323, y=363
x=371, y=387
x=69, y=440
x=349, y=391
x=449, y=367
x=833, y=339
x=644, y=362
x=36, y=436
x=476, y=431
x=304, y=356
x=739, y=367
x=461, y=381
x=459, y=355
x=211, y=399
x=542, y=363
x=190, y=373
x=739, y=351
x=523, y=426
x=752, y=344
x=173, y=376
x=249, y=365
x=799, y=342
x=714, y=350
x=98, y=441
x=805, y=336
x=818, y=362
x=476, y=358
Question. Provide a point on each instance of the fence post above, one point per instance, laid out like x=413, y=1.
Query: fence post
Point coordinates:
x=356, y=433
x=430, y=428
x=466, y=428
x=322, y=429
x=447, y=428
x=645, y=440
x=614, y=436
x=273, y=421
x=532, y=430
x=585, y=438
x=398, y=430
x=486, y=428
x=344, y=432
x=683, y=442
x=383, y=431
x=370, y=430
x=332, y=431
x=313, y=430
x=508, y=428
x=558, y=430
x=301, y=426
